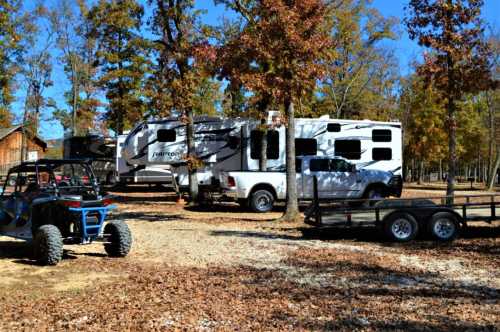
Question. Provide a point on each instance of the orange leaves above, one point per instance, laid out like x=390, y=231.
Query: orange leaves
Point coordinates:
x=280, y=51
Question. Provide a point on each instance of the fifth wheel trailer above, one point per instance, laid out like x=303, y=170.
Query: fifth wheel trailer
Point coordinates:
x=108, y=164
x=232, y=144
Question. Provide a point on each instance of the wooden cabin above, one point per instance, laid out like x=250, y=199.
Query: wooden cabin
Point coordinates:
x=11, y=140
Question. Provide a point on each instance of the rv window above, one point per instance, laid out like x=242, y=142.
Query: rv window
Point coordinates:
x=339, y=165
x=273, y=138
x=306, y=147
x=166, y=135
x=349, y=149
x=319, y=165
x=333, y=127
x=381, y=135
x=381, y=153
x=298, y=165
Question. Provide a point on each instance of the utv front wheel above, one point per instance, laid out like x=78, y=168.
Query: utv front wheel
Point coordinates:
x=48, y=245
x=119, y=239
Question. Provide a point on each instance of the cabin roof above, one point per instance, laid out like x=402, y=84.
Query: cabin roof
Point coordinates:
x=4, y=132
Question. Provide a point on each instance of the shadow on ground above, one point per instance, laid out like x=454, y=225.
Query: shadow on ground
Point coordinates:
x=142, y=216
x=22, y=252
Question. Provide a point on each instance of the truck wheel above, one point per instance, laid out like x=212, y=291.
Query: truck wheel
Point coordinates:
x=262, y=201
x=48, y=245
x=373, y=195
x=401, y=227
x=111, y=179
x=443, y=226
x=119, y=239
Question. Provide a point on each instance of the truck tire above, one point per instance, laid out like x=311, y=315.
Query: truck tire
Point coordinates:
x=261, y=201
x=401, y=227
x=443, y=226
x=119, y=240
x=111, y=179
x=372, y=196
x=48, y=245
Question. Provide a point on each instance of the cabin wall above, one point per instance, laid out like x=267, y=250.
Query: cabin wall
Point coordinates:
x=10, y=151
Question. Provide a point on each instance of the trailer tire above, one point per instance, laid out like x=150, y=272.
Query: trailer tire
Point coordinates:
x=443, y=226
x=120, y=239
x=48, y=245
x=401, y=227
x=261, y=201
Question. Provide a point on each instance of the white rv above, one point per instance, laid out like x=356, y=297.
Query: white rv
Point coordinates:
x=234, y=144
x=140, y=174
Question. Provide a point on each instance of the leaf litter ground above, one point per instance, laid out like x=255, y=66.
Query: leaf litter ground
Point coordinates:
x=226, y=269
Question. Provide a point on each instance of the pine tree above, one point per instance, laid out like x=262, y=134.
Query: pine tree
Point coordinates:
x=122, y=57
x=183, y=59
x=13, y=27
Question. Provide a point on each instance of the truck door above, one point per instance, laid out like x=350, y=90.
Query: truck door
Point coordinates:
x=344, y=178
x=319, y=167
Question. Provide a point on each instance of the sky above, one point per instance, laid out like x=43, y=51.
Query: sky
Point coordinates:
x=405, y=50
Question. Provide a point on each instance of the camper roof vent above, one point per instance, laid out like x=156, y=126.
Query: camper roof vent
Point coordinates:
x=324, y=117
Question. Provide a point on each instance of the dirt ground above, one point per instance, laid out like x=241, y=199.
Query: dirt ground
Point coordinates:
x=227, y=269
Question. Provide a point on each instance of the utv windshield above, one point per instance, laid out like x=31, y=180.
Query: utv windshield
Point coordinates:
x=65, y=178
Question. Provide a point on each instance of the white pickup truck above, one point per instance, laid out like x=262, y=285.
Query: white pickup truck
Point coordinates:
x=337, y=179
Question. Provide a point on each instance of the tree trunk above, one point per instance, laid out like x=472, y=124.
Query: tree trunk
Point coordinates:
x=75, y=101
x=292, y=206
x=452, y=146
x=440, y=170
x=420, y=171
x=193, y=180
x=491, y=143
x=263, y=148
x=494, y=170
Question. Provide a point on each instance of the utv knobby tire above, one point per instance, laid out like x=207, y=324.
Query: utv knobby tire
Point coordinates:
x=261, y=201
x=120, y=239
x=48, y=245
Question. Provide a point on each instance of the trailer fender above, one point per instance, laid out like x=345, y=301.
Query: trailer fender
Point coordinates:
x=460, y=220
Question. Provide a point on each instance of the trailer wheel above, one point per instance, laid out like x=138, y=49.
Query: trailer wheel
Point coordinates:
x=119, y=240
x=262, y=201
x=48, y=245
x=443, y=226
x=401, y=227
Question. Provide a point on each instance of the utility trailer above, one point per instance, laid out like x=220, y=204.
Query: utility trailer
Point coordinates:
x=403, y=219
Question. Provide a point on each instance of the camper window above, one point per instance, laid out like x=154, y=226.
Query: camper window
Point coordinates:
x=166, y=135
x=333, y=127
x=349, y=149
x=306, y=147
x=273, y=138
x=381, y=153
x=381, y=135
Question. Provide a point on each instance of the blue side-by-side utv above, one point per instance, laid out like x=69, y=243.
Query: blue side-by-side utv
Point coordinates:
x=53, y=202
